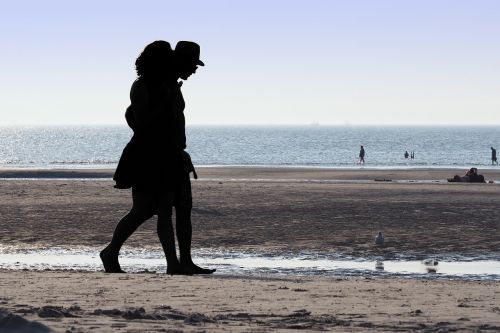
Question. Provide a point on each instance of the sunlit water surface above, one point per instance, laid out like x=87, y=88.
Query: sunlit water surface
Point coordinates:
x=254, y=264
x=312, y=146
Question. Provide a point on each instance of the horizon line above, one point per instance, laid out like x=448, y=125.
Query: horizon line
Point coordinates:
x=313, y=124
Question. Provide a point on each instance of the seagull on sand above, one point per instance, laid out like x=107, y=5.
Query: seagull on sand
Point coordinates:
x=430, y=262
x=379, y=240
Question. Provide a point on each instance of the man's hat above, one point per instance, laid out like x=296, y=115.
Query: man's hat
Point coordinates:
x=189, y=51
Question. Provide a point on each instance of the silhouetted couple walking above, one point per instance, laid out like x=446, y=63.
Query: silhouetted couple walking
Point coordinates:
x=154, y=163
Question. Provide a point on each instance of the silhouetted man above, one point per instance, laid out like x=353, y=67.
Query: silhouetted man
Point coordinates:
x=187, y=60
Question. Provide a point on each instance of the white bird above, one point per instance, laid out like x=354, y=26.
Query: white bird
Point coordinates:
x=379, y=240
x=431, y=262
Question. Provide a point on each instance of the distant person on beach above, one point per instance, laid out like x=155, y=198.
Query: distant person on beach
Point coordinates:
x=471, y=176
x=154, y=163
x=412, y=154
x=494, y=156
x=406, y=154
x=361, y=155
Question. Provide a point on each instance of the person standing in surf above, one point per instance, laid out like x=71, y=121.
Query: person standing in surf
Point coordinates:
x=361, y=155
x=494, y=156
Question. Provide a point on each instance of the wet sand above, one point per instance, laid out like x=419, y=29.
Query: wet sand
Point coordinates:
x=265, y=210
x=245, y=209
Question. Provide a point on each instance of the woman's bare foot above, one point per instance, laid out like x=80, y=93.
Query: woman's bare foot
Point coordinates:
x=110, y=262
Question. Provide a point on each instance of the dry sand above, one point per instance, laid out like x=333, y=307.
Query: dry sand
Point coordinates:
x=99, y=302
x=267, y=210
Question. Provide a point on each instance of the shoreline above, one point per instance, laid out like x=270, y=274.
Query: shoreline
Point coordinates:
x=263, y=172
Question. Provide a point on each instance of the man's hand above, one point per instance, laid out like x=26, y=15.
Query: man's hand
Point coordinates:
x=188, y=164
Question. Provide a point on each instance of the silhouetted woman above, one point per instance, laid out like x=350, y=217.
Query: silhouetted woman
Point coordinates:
x=154, y=162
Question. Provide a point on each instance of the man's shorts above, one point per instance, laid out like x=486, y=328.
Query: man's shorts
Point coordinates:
x=183, y=197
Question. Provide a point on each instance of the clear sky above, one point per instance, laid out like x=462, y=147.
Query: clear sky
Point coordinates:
x=267, y=61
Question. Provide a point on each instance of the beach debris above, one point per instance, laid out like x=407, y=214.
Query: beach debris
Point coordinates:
x=107, y=312
x=379, y=240
x=50, y=311
x=379, y=264
x=300, y=313
x=10, y=322
x=135, y=313
x=300, y=290
x=464, y=305
x=140, y=313
x=198, y=318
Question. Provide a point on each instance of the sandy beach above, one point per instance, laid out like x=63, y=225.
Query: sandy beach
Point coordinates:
x=99, y=302
x=271, y=209
x=264, y=210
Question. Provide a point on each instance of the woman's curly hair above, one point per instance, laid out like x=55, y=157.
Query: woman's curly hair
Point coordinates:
x=154, y=59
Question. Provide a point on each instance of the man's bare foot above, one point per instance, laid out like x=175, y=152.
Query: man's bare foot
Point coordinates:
x=191, y=268
x=174, y=270
x=110, y=262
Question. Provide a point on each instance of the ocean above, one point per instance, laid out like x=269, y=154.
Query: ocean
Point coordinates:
x=299, y=146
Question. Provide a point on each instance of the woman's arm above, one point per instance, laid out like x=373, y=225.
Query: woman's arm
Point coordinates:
x=143, y=113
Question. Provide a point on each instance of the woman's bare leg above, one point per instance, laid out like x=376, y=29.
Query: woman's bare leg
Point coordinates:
x=143, y=208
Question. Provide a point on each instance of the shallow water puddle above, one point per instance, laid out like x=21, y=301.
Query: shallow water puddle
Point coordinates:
x=137, y=261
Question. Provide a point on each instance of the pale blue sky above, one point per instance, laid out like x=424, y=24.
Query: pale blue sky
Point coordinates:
x=267, y=62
